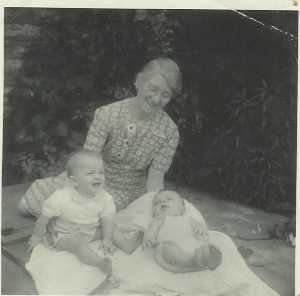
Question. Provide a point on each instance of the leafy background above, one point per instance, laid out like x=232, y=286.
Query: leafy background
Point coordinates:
x=236, y=114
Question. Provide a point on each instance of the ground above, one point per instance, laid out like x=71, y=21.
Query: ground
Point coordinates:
x=273, y=261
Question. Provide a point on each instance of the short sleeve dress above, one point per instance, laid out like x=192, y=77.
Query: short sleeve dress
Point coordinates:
x=127, y=152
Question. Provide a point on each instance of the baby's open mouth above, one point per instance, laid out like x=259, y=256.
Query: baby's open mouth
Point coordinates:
x=164, y=207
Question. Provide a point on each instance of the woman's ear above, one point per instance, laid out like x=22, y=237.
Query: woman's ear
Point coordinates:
x=137, y=81
x=73, y=181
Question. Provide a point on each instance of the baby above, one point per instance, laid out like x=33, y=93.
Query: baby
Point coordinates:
x=181, y=242
x=83, y=212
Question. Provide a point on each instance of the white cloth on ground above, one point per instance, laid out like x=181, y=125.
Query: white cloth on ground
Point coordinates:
x=61, y=273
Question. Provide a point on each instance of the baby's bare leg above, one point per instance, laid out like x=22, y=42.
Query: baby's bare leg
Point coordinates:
x=125, y=244
x=98, y=234
x=172, y=258
x=84, y=253
x=122, y=242
x=23, y=209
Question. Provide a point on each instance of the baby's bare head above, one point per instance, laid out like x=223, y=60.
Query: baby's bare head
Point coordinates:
x=168, y=202
x=77, y=160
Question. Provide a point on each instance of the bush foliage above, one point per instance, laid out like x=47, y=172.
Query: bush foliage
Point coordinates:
x=236, y=114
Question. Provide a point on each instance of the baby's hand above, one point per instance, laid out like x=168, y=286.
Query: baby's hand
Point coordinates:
x=108, y=246
x=34, y=240
x=149, y=241
x=201, y=230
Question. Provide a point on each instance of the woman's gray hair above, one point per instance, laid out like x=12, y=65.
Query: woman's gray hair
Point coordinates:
x=168, y=69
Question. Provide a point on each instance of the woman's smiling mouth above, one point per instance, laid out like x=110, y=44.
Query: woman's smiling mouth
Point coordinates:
x=150, y=103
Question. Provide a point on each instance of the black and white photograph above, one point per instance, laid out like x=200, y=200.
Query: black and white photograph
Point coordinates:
x=120, y=121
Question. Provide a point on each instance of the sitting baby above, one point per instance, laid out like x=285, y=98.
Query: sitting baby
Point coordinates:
x=181, y=242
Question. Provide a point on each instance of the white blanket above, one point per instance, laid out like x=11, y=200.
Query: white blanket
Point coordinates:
x=61, y=273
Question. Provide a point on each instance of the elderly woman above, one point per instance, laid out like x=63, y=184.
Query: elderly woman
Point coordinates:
x=135, y=137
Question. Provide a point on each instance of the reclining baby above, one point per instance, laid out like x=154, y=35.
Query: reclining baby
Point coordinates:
x=84, y=211
x=181, y=242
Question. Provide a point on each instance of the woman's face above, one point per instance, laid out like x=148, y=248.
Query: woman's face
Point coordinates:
x=153, y=94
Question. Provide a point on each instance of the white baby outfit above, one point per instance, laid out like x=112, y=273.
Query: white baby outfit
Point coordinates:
x=75, y=215
x=178, y=229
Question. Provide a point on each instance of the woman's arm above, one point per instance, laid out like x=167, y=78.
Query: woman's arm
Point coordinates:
x=162, y=160
x=155, y=180
x=98, y=131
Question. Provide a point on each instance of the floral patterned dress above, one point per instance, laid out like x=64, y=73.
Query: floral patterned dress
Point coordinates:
x=127, y=152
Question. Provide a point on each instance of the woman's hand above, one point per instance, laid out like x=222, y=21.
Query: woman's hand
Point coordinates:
x=34, y=240
x=108, y=246
x=50, y=232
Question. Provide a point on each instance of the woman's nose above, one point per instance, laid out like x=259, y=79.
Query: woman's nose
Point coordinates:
x=156, y=98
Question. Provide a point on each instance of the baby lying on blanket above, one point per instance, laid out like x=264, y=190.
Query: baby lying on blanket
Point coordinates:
x=83, y=212
x=181, y=242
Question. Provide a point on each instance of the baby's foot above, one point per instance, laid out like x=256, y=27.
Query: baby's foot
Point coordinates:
x=215, y=257
x=201, y=258
x=138, y=235
x=134, y=242
x=136, y=239
x=105, y=265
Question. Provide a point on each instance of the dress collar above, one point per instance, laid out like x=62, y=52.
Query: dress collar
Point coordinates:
x=79, y=198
